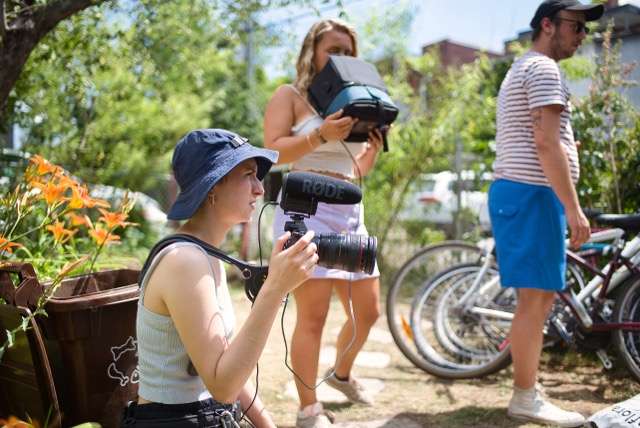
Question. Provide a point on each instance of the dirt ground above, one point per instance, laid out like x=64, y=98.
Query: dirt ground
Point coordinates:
x=410, y=395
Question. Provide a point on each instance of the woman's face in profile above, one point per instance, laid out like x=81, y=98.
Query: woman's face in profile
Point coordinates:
x=333, y=42
x=237, y=193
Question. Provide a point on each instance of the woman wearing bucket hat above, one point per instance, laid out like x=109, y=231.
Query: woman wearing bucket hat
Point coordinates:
x=185, y=320
x=309, y=143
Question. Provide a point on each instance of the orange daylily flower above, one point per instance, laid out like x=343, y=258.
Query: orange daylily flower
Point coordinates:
x=113, y=220
x=102, y=236
x=6, y=245
x=67, y=182
x=14, y=422
x=52, y=193
x=60, y=234
x=78, y=220
x=31, y=175
x=43, y=166
x=80, y=198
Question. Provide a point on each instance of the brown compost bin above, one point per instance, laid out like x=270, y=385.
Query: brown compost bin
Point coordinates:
x=77, y=364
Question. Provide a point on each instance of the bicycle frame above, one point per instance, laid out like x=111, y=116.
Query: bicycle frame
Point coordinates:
x=624, y=262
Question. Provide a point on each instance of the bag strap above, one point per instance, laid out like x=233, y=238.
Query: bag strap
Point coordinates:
x=254, y=276
x=382, y=126
x=307, y=102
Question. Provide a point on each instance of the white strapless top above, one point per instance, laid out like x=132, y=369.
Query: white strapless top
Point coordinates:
x=329, y=157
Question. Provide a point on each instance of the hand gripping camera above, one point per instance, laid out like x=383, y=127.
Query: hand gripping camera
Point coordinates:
x=301, y=192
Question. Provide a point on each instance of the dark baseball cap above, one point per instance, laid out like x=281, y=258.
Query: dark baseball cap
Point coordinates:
x=202, y=158
x=549, y=8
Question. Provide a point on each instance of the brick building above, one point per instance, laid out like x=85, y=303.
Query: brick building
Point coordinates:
x=453, y=54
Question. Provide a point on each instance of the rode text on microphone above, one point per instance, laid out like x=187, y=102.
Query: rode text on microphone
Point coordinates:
x=301, y=192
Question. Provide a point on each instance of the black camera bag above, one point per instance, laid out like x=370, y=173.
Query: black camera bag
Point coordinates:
x=355, y=86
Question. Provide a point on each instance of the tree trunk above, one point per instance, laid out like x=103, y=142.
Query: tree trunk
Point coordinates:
x=19, y=36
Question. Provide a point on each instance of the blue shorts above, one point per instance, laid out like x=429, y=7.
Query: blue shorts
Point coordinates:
x=529, y=228
x=331, y=218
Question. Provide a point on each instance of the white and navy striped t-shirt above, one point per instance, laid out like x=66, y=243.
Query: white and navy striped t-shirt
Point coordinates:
x=533, y=81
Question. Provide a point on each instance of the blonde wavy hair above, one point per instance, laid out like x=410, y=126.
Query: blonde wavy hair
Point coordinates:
x=305, y=68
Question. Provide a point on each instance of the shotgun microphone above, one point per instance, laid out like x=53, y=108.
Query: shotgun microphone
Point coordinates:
x=301, y=192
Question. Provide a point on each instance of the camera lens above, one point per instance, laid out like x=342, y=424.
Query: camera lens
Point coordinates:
x=349, y=252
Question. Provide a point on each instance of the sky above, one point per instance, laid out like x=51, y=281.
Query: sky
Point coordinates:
x=480, y=23
x=484, y=24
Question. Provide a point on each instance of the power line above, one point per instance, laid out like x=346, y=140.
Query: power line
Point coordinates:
x=321, y=10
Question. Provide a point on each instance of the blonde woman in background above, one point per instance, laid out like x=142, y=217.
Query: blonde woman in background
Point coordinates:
x=309, y=143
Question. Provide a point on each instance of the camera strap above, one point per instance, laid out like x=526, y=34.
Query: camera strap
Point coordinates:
x=253, y=275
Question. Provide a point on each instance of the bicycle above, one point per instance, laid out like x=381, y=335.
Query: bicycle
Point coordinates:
x=410, y=278
x=461, y=317
x=419, y=270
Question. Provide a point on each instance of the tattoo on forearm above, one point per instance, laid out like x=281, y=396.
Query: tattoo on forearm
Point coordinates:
x=536, y=118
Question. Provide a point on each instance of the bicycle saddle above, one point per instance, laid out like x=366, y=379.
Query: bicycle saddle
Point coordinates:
x=592, y=213
x=628, y=222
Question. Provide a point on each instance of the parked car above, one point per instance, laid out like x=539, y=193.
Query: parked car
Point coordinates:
x=151, y=209
x=14, y=162
x=433, y=199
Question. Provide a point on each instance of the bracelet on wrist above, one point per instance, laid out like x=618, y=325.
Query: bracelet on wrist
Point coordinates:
x=309, y=142
x=320, y=136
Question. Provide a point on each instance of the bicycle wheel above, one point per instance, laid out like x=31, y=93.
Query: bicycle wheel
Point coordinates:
x=410, y=278
x=471, y=335
x=464, y=338
x=627, y=309
x=461, y=322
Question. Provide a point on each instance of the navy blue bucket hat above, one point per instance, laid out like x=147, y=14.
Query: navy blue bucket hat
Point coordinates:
x=202, y=158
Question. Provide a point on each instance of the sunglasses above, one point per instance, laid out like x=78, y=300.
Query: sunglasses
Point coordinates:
x=579, y=25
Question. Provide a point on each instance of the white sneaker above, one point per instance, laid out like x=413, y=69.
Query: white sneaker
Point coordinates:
x=314, y=416
x=531, y=405
x=352, y=388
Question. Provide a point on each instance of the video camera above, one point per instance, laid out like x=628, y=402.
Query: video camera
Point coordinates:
x=301, y=192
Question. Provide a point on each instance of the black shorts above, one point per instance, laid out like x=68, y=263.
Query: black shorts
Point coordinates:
x=202, y=414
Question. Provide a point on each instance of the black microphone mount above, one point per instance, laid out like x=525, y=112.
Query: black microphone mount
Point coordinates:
x=295, y=204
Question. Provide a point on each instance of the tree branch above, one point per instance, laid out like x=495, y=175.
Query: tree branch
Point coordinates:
x=29, y=6
x=30, y=28
x=3, y=23
x=55, y=11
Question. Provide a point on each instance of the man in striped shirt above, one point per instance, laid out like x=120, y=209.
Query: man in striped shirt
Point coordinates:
x=533, y=198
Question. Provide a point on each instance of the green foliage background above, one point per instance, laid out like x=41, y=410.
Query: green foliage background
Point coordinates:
x=110, y=91
x=608, y=127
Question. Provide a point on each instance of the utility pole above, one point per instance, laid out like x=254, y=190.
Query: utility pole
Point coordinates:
x=457, y=232
x=249, y=235
x=249, y=56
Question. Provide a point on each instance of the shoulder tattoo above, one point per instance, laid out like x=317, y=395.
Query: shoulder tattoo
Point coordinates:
x=536, y=118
